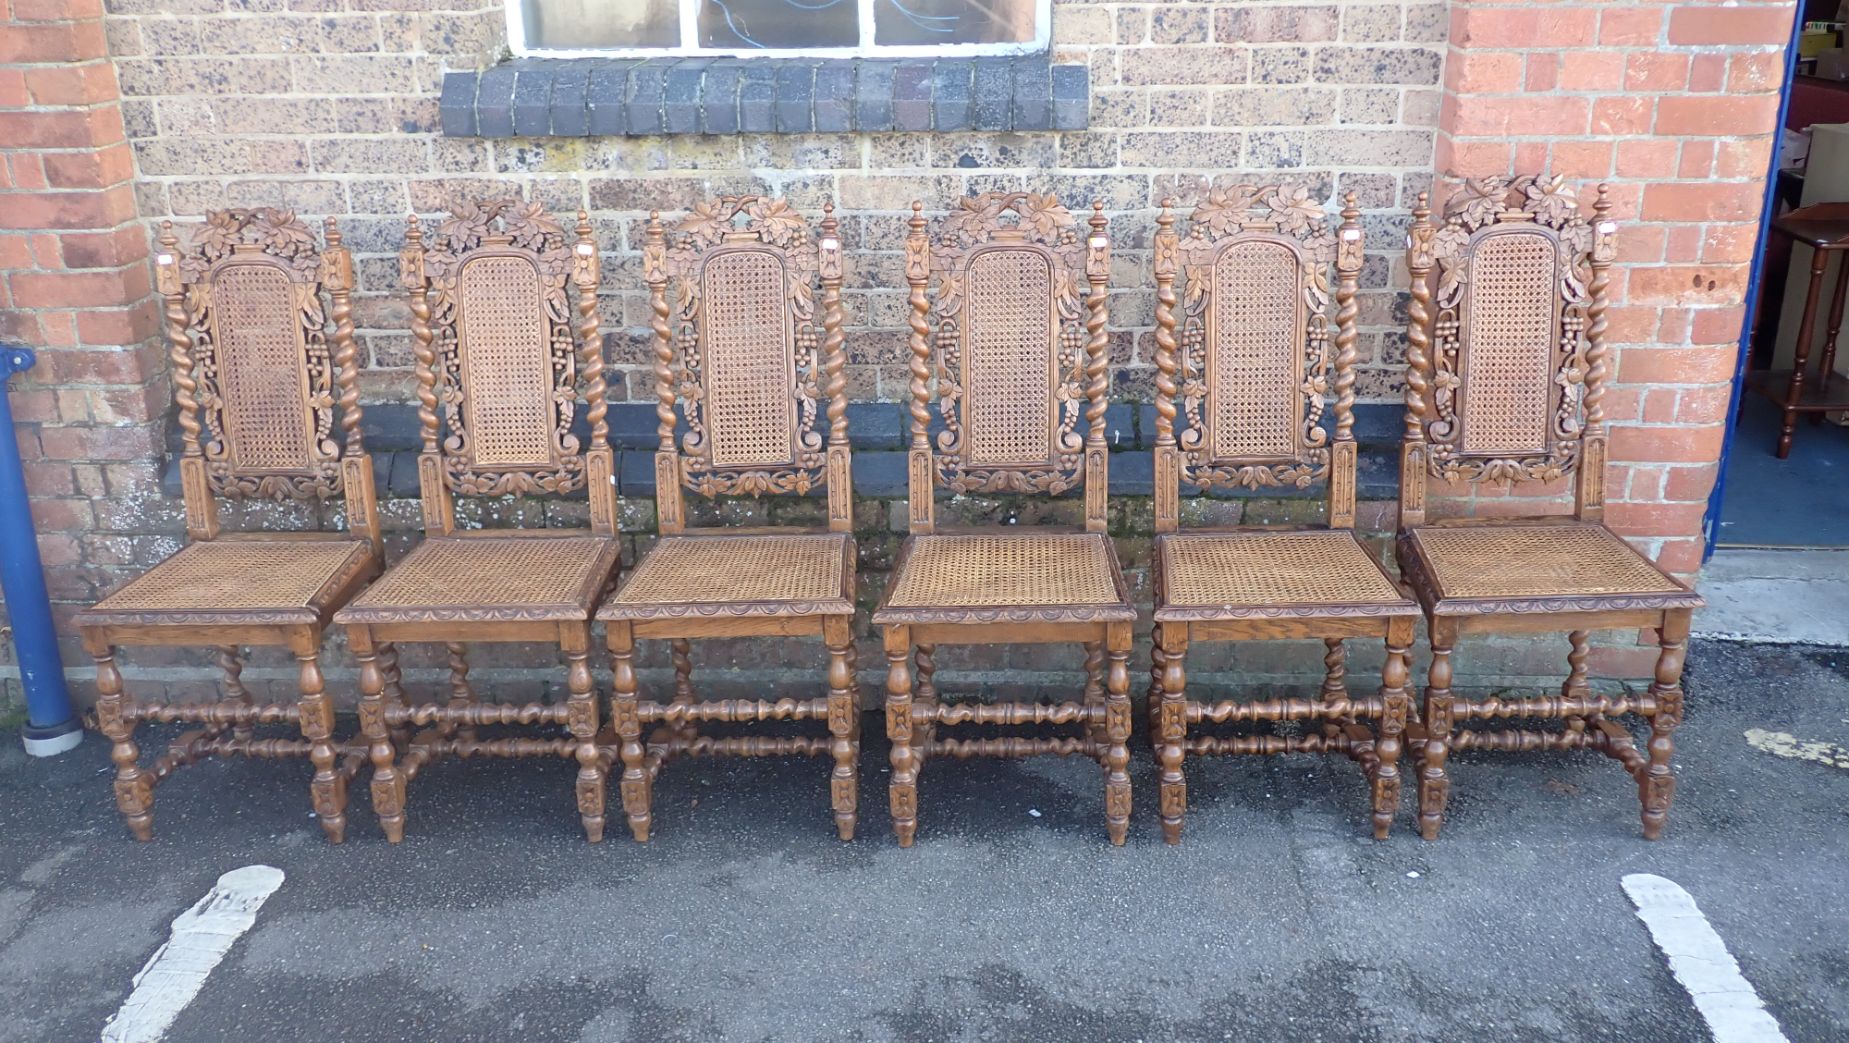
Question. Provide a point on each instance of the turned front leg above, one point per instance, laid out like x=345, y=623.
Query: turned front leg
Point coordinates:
x=328, y=789
x=114, y=716
x=902, y=793
x=1434, y=786
x=388, y=782
x=628, y=721
x=1395, y=702
x=581, y=721
x=1117, y=733
x=843, y=709
x=1656, y=785
x=1170, y=713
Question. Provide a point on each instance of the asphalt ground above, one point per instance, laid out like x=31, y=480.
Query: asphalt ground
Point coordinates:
x=1277, y=919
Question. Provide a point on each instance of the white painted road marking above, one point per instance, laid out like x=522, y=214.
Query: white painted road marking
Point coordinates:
x=1700, y=961
x=1784, y=744
x=201, y=937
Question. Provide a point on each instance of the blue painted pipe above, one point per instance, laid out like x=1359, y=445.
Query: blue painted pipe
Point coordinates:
x=51, y=726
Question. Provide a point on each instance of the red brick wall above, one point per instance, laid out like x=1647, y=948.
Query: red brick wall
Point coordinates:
x=1676, y=106
x=75, y=285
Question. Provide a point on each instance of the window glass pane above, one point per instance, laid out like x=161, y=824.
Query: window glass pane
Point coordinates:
x=601, y=23
x=953, y=21
x=779, y=23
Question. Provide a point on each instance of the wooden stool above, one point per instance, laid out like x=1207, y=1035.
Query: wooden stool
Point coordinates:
x=1824, y=227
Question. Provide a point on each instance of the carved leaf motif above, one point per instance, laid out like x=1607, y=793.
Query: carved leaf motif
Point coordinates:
x=776, y=221
x=1293, y=209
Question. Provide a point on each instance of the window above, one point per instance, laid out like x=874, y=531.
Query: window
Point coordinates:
x=788, y=28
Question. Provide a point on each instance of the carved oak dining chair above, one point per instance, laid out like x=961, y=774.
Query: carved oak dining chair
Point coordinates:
x=1506, y=384
x=1253, y=358
x=505, y=331
x=744, y=353
x=257, y=377
x=1018, y=333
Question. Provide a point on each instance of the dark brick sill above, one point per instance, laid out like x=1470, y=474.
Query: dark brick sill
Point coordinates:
x=879, y=436
x=598, y=97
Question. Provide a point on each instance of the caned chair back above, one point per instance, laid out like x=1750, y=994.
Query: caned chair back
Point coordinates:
x=745, y=355
x=1251, y=353
x=1506, y=356
x=505, y=330
x=1008, y=317
x=260, y=380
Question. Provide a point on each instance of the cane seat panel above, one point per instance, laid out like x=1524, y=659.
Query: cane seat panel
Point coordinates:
x=756, y=575
x=994, y=574
x=237, y=581
x=1211, y=574
x=1506, y=566
x=490, y=578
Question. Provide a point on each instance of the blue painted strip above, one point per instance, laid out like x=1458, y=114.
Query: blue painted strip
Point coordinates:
x=1711, y=521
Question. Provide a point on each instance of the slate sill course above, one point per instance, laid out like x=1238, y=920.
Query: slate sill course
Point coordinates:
x=633, y=97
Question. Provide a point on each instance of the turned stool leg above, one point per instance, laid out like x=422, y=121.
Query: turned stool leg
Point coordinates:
x=394, y=688
x=681, y=651
x=1801, y=357
x=1152, y=699
x=1827, y=371
x=902, y=793
x=1335, y=683
x=1094, y=687
x=1656, y=785
x=115, y=717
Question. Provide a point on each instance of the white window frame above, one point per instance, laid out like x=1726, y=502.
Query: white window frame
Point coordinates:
x=865, y=48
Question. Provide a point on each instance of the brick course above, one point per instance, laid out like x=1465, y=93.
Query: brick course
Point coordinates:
x=333, y=107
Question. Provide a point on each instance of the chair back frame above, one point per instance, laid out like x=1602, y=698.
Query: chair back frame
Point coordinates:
x=1237, y=237
x=745, y=272
x=1545, y=272
x=500, y=299
x=259, y=379
x=1053, y=260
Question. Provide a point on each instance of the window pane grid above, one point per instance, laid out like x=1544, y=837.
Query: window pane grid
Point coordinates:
x=778, y=28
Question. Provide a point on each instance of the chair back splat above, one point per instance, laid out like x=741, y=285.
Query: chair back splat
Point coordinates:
x=746, y=357
x=1249, y=351
x=1017, y=334
x=1506, y=341
x=259, y=380
x=505, y=331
